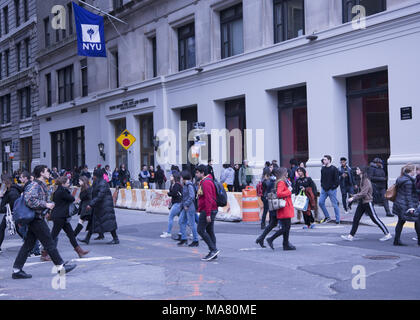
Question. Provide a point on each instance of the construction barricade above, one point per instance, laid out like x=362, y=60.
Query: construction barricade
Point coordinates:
x=158, y=201
x=233, y=211
x=250, y=206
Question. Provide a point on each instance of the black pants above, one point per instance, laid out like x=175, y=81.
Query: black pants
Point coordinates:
x=90, y=232
x=285, y=231
x=399, y=227
x=264, y=215
x=344, y=192
x=2, y=229
x=309, y=219
x=271, y=225
x=62, y=224
x=385, y=201
x=206, y=230
x=37, y=229
x=370, y=210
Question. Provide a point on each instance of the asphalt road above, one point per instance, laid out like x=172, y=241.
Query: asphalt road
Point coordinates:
x=145, y=266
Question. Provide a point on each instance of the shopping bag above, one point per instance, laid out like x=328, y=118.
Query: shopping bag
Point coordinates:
x=301, y=202
x=10, y=224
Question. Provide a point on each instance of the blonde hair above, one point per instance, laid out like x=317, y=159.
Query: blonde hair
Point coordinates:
x=407, y=169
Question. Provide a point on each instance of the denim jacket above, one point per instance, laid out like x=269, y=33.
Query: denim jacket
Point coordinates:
x=188, y=195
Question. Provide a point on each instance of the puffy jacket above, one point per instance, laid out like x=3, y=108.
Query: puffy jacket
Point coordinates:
x=407, y=197
x=85, y=198
x=283, y=192
x=10, y=196
x=103, y=214
x=62, y=199
x=377, y=176
x=228, y=176
x=188, y=195
x=268, y=185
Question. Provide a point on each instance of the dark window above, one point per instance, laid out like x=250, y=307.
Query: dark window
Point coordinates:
x=289, y=19
x=120, y=152
x=6, y=19
x=154, y=56
x=26, y=154
x=18, y=56
x=70, y=18
x=27, y=52
x=49, y=95
x=117, y=4
x=368, y=118
x=17, y=12
x=186, y=47
x=231, y=26
x=24, y=96
x=47, y=32
x=146, y=141
x=188, y=115
x=84, y=70
x=293, y=125
x=235, y=119
x=1, y=65
x=25, y=10
x=115, y=77
x=6, y=61
x=68, y=148
x=371, y=7
x=65, y=84
x=5, y=109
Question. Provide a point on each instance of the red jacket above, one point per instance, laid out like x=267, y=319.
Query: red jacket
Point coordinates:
x=283, y=192
x=207, y=195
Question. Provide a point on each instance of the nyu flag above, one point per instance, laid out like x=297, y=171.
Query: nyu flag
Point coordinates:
x=90, y=33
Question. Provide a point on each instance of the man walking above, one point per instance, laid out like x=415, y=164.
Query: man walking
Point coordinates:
x=346, y=183
x=36, y=197
x=378, y=178
x=329, y=185
x=208, y=209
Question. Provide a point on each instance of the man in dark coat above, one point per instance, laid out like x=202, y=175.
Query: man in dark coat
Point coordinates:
x=378, y=178
x=103, y=214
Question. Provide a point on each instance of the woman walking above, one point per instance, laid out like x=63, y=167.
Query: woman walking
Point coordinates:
x=283, y=215
x=85, y=198
x=407, y=200
x=102, y=205
x=365, y=198
x=175, y=192
x=267, y=187
x=60, y=215
x=307, y=185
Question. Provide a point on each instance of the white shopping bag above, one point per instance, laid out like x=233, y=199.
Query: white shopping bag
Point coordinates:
x=301, y=202
x=10, y=223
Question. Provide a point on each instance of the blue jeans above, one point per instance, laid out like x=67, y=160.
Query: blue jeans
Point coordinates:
x=175, y=211
x=332, y=194
x=188, y=217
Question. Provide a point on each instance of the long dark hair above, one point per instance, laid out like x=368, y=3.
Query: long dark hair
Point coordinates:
x=85, y=184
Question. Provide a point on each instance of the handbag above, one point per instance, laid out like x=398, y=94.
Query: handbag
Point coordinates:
x=391, y=193
x=275, y=203
x=301, y=201
x=10, y=224
x=22, y=214
x=412, y=216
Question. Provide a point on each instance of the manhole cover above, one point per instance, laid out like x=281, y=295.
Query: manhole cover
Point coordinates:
x=381, y=257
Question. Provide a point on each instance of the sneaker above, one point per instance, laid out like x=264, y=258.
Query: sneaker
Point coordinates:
x=214, y=254
x=21, y=275
x=312, y=226
x=325, y=220
x=206, y=258
x=337, y=222
x=114, y=241
x=348, y=237
x=346, y=212
x=165, y=235
x=194, y=244
x=386, y=237
x=182, y=243
x=305, y=227
x=415, y=239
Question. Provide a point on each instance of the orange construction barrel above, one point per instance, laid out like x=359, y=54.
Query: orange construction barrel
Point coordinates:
x=250, y=207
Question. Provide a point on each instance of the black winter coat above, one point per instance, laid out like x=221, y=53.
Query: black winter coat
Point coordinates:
x=85, y=199
x=377, y=176
x=175, y=191
x=62, y=199
x=10, y=196
x=407, y=197
x=103, y=214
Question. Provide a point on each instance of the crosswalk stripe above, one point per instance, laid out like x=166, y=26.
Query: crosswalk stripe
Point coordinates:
x=406, y=225
x=78, y=260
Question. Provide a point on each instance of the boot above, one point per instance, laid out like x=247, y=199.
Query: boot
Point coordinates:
x=45, y=256
x=288, y=247
x=100, y=237
x=78, y=229
x=397, y=242
x=260, y=241
x=270, y=242
x=262, y=225
x=80, y=251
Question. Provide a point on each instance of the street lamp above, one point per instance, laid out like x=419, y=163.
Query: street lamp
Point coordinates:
x=101, y=148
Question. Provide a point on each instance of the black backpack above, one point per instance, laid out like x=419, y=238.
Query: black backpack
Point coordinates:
x=221, y=195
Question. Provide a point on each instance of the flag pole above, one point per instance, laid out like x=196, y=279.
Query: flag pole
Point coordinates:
x=97, y=9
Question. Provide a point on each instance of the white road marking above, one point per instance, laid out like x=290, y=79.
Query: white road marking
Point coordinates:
x=78, y=260
x=251, y=249
x=3, y=294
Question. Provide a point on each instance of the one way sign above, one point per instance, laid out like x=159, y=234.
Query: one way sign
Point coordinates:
x=126, y=139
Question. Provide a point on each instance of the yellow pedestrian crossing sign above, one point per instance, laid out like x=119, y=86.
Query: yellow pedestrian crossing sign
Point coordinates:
x=126, y=139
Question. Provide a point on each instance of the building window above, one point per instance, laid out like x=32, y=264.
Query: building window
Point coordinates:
x=146, y=142
x=368, y=118
x=6, y=61
x=154, y=56
x=26, y=154
x=120, y=152
x=371, y=7
x=17, y=13
x=293, y=125
x=68, y=148
x=18, y=56
x=289, y=19
x=6, y=19
x=49, y=94
x=114, y=67
x=47, y=32
x=84, y=71
x=116, y=4
x=27, y=52
x=1, y=65
x=5, y=109
x=186, y=47
x=70, y=17
x=231, y=26
x=6, y=149
x=236, y=120
x=25, y=10
x=24, y=96
x=65, y=84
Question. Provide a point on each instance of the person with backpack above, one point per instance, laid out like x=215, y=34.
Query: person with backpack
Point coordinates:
x=188, y=213
x=365, y=205
x=36, y=198
x=175, y=192
x=207, y=207
x=329, y=184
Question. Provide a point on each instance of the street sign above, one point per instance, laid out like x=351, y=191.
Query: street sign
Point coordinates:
x=126, y=139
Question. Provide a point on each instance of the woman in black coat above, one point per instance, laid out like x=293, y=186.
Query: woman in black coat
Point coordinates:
x=60, y=215
x=102, y=204
x=85, y=198
x=407, y=200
